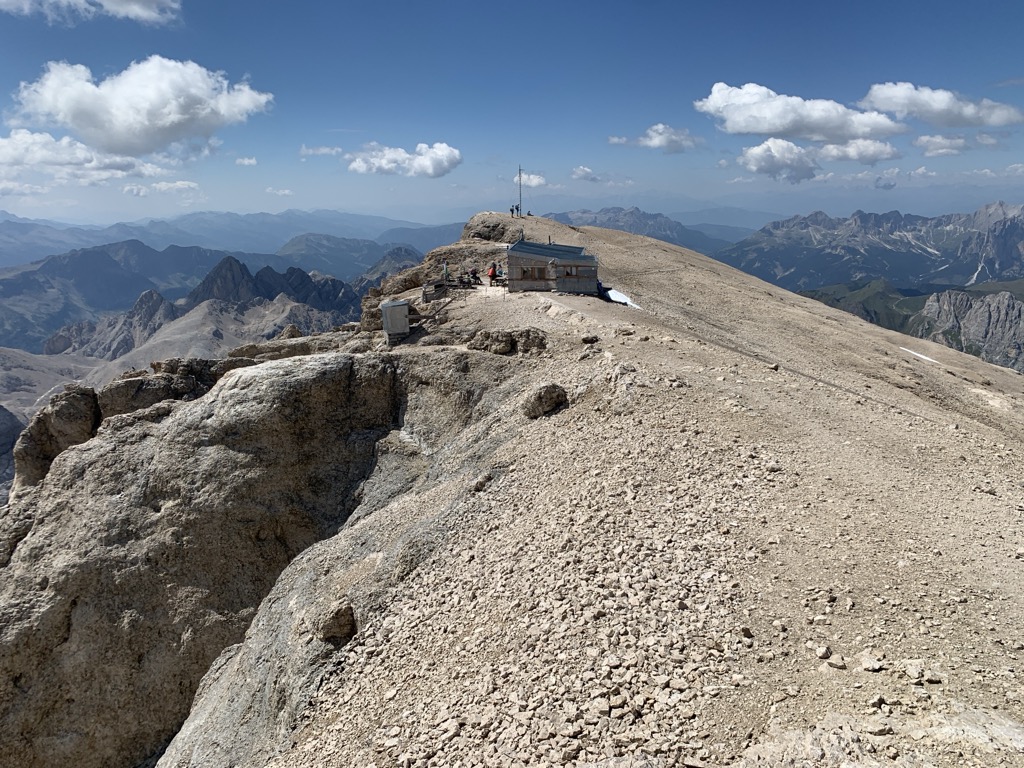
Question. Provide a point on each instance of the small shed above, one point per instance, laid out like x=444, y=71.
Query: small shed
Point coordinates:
x=551, y=267
x=394, y=316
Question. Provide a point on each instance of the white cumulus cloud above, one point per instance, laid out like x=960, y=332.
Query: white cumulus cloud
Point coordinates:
x=582, y=173
x=757, y=110
x=245, y=161
x=866, y=151
x=530, y=179
x=279, y=192
x=661, y=136
x=666, y=138
x=780, y=159
x=65, y=160
x=145, y=11
x=148, y=107
x=941, y=146
x=939, y=106
x=432, y=160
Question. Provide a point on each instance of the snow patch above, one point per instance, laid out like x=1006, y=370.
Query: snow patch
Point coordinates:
x=918, y=354
x=621, y=298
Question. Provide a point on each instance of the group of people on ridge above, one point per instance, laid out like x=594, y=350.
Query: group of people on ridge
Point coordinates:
x=494, y=274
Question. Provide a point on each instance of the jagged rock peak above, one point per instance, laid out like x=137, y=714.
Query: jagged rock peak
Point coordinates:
x=149, y=305
x=230, y=280
x=989, y=214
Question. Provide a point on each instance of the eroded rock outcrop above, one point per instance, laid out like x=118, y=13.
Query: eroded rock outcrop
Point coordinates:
x=147, y=548
x=73, y=416
x=70, y=418
x=10, y=428
x=451, y=427
x=140, y=596
x=491, y=228
x=511, y=342
x=544, y=399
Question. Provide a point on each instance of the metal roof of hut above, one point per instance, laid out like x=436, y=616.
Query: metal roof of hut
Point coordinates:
x=549, y=251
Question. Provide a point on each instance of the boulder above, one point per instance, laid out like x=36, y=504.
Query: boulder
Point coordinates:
x=518, y=341
x=496, y=229
x=544, y=399
x=71, y=417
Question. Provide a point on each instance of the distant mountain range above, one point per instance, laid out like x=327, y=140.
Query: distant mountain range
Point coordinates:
x=83, y=285
x=10, y=428
x=423, y=238
x=26, y=240
x=322, y=302
x=638, y=222
x=807, y=252
x=956, y=279
x=26, y=382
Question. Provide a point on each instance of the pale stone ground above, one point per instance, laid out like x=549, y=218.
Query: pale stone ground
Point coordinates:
x=761, y=533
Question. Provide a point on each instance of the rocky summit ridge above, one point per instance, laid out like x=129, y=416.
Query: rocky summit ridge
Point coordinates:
x=728, y=526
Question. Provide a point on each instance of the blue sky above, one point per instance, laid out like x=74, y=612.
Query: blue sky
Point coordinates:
x=124, y=109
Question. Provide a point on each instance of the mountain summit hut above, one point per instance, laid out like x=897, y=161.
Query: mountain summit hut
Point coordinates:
x=551, y=267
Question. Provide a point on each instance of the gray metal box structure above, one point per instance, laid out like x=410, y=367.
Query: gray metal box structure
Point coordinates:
x=395, y=317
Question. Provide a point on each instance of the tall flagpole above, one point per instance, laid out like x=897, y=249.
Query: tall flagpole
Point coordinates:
x=520, y=209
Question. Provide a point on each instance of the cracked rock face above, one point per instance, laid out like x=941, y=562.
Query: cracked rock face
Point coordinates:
x=73, y=416
x=987, y=326
x=70, y=418
x=145, y=550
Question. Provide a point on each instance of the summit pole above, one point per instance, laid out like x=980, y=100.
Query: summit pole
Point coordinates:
x=520, y=208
